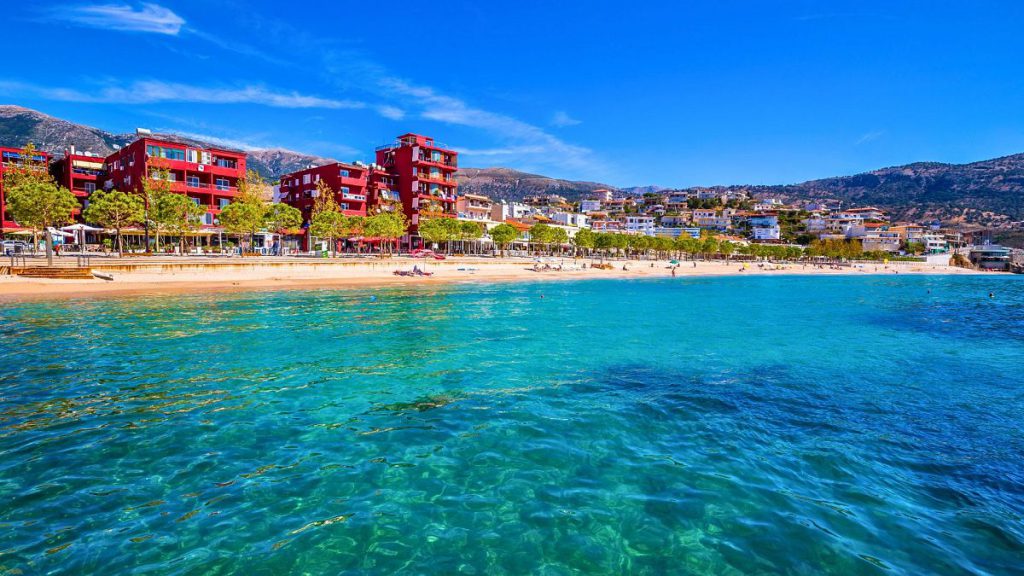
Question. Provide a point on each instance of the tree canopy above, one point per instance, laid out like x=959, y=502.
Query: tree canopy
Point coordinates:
x=115, y=209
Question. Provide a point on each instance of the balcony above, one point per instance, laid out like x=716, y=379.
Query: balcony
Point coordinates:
x=442, y=197
x=439, y=162
x=438, y=178
x=356, y=197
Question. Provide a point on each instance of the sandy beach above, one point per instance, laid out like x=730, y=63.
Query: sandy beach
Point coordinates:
x=177, y=275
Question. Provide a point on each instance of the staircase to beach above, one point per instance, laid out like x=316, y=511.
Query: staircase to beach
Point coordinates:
x=55, y=273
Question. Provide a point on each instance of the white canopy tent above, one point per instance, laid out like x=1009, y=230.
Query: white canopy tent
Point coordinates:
x=77, y=229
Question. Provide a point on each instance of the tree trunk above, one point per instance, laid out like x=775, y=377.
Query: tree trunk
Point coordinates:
x=120, y=247
x=49, y=248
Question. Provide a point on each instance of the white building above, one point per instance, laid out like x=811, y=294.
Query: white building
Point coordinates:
x=474, y=207
x=504, y=210
x=766, y=232
x=571, y=219
x=667, y=232
x=639, y=224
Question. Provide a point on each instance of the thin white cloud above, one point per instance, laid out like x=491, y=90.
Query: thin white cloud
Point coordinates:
x=870, y=137
x=562, y=119
x=229, y=142
x=154, y=91
x=391, y=112
x=524, y=139
x=509, y=151
x=144, y=17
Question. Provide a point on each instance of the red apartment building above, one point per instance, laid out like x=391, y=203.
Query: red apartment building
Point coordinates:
x=348, y=181
x=11, y=159
x=413, y=174
x=209, y=176
x=81, y=173
x=424, y=174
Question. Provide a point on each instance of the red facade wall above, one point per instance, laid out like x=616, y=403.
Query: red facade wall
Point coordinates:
x=10, y=158
x=348, y=181
x=425, y=176
x=207, y=175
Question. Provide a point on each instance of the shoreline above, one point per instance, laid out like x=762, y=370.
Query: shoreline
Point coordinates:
x=181, y=276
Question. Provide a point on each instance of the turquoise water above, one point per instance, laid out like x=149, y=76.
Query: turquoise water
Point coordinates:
x=703, y=426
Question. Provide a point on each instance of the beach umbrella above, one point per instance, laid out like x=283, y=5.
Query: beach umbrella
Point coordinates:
x=81, y=228
x=56, y=232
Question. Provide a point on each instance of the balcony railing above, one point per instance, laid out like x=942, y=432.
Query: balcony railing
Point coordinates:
x=358, y=197
x=439, y=161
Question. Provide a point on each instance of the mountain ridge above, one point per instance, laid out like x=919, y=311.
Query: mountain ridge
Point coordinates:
x=986, y=193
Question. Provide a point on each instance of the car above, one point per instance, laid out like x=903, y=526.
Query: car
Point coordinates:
x=9, y=247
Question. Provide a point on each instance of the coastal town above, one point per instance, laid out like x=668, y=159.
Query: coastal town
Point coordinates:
x=407, y=200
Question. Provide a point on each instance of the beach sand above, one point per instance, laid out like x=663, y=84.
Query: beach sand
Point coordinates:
x=163, y=275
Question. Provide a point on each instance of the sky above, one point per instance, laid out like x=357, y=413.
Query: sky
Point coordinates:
x=676, y=93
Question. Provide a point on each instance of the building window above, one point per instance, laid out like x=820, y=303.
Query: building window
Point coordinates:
x=344, y=189
x=90, y=187
x=344, y=174
x=223, y=202
x=223, y=184
x=305, y=179
x=193, y=181
x=191, y=155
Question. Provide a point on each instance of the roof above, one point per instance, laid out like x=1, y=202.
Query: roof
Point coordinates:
x=182, y=141
x=517, y=225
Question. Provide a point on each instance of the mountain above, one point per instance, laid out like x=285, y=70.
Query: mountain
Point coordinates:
x=19, y=125
x=641, y=190
x=989, y=193
x=509, y=184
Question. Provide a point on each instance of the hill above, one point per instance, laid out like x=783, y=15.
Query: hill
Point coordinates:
x=19, y=126
x=989, y=193
x=509, y=184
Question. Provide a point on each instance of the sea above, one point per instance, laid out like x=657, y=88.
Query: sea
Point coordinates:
x=731, y=425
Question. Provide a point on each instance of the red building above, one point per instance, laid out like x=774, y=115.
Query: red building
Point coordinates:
x=348, y=181
x=209, y=176
x=424, y=174
x=12, y=159
x=81, y=173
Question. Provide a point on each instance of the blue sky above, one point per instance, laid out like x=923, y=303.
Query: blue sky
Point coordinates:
x=671, y=93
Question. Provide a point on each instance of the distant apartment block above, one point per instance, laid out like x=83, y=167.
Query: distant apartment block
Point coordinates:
x=639, y=225
x=475, y=207
x=505, y=210
x=573, y=219
x=676, y=232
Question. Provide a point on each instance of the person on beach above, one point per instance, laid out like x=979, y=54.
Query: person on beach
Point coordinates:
x=673, y=271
